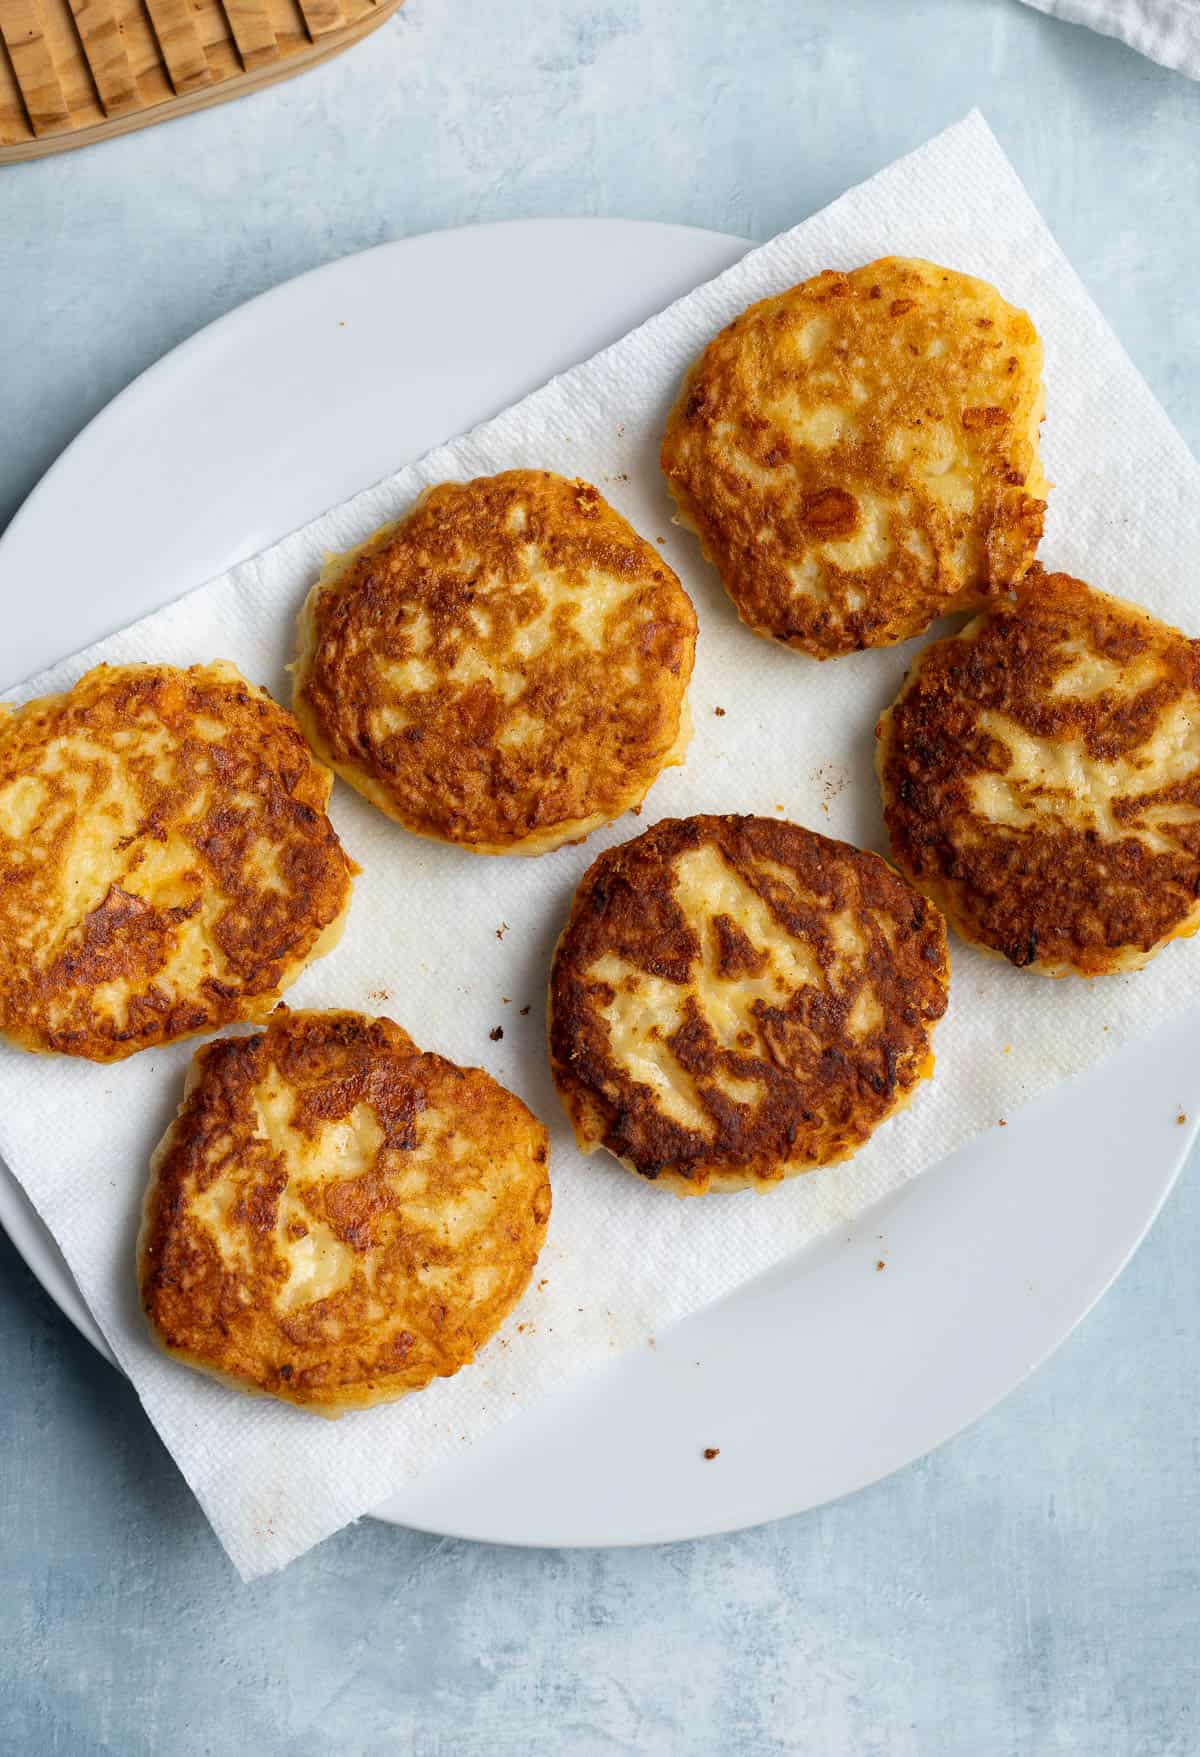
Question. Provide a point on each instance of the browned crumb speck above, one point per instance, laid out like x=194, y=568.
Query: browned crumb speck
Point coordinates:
x=880, y=1265
x=711, y=1452
x=496, y=1033
x=502, y=930
x=719, y=712
x=1182, y=1117
x=524, y=1012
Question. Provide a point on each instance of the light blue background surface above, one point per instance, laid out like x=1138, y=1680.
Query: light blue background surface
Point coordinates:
x=1032, y=1588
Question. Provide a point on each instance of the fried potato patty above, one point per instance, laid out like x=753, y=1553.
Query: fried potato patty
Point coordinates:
x=506, y=668
x=166, y=864
x=1041, y=780
x=860, y=455
x=334, y=1217
x=735, y=1000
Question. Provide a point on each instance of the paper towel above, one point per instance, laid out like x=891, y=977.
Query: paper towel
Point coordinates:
x=452, y=945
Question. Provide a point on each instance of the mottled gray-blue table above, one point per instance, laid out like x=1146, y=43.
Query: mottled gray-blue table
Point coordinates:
x=1031, y=1588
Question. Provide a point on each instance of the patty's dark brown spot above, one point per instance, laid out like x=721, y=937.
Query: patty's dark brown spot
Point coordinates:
x=736, y=956
x=973, y=419
x=830, y=513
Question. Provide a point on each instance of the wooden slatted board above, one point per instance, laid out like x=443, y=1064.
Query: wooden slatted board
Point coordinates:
x=74, y=71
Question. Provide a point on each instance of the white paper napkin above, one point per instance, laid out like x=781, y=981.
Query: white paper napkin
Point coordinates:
x=452, y=945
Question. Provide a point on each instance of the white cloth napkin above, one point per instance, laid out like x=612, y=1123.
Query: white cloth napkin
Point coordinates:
x=1167, y=31
x=452, y=945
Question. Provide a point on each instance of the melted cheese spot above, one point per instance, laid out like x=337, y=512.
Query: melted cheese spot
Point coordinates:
x=319, y=1262
x=821, y=427
x=1090, y=674
x=869, y=544
x=644, y=1012
x=813, y=337
x=647, y=1010
x=1049, y=778
x=407, y=676
x=706, y=886
x=807, y=577
x=20, y=803
x=565, y=613
x=866, y=1015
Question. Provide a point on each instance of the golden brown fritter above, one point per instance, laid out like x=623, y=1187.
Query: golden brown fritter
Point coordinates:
x=506, y=668
x=860, y=455
x=336, y=1218
x=1041, y=780
x=735, y=1000
x=166, y=864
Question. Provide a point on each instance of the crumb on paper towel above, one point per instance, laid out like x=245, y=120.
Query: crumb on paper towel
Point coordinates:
x=711, y=1452
x=502, y=930
x=719, y=712
x=1003, y=1123
x=880, y=1265
x=380, y=994
x=832, y=779
x=524, y=1011
x=1182, y=1117
x=496, y=1033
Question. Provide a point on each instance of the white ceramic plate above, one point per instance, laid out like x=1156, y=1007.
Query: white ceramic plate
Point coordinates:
x=826, y=1374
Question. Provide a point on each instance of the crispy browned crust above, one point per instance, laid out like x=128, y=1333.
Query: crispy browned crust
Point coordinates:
x=821, y=1087
x=437, y=1222
x=905, y=368
x=1102, y=866
x=166, y=864
x=477, y=740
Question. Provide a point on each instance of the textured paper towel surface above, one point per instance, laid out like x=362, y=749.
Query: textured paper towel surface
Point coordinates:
x=452, y=945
